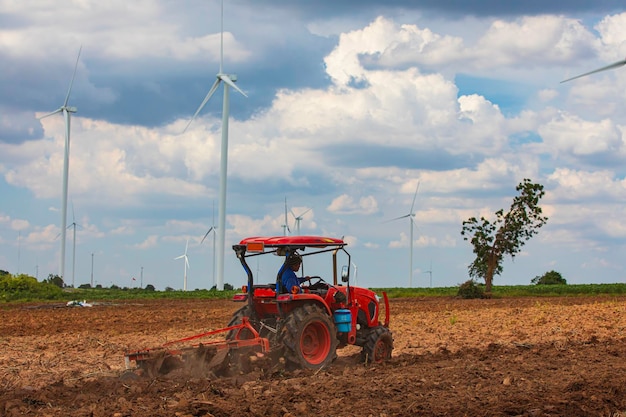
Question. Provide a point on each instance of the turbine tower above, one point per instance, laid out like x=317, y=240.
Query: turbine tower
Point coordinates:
x=608, y=67
x=212, y=229
x=66, y=110
x=410, y=215
x=184, y=256
x=229, y=81
x=73, y=225
x=285, y=226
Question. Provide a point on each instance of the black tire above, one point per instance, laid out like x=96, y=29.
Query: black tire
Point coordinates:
x=245, y=311
x=237, y=361
x=309, y=337
x=378, y=345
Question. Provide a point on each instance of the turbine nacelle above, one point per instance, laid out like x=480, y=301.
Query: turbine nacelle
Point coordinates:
x=60, y=110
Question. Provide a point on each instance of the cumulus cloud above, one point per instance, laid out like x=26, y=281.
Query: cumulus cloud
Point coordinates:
x=391, y=111
x=345, y=204
x=149, y=242
x=567, y=133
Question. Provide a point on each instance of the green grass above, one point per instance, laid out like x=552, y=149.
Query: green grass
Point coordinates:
x=23, y=288
x=502, y=291
x=103, y=294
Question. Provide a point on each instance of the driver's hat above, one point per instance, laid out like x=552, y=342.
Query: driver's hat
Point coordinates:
x=294, y=259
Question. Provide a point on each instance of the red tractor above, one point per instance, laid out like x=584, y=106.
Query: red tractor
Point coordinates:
x=309, y=326
x=299, y=328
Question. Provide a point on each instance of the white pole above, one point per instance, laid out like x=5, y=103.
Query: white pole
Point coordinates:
x=73, y=253
x=66, y=168
x=221, y=228
x=411, y=256
x=91, y=269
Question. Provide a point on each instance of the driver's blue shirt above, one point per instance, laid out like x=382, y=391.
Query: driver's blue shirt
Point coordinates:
x=289, y=279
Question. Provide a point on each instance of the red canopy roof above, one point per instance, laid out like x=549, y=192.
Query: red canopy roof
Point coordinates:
x=276, y=241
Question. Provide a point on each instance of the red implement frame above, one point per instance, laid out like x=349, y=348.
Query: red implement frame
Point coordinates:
x=235, y=343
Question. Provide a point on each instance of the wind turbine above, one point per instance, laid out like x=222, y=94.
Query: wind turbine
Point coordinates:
x=430, y=273
x=184, y=256
x=608, y=67
x=285, y=225
x=66, y=110
x=73, y=225
x=212, y=229
x=298, y=219
x=229, y=81
x=410, y=215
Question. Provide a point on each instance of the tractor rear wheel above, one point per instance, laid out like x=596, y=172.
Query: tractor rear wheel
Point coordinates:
x=378, y=345
x=309, y=337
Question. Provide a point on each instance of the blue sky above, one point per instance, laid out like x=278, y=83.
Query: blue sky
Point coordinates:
x=349, y=105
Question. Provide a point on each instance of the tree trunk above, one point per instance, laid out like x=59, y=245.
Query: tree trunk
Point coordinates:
x=491, y=267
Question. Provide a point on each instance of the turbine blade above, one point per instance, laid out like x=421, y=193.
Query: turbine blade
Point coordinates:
x=205, y=101
x=206, y=234
x=222, y=37
x=69, y=90
x=59, y=110
x=230, y=82
x=414, y=196
x=398, y=218
x=178, y=257
x=304, y=212
x=608, y=67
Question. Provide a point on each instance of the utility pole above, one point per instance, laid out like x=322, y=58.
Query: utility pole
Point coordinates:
x=91, y=269
x=19, y=249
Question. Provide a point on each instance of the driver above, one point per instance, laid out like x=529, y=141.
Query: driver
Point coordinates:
x=290, y=281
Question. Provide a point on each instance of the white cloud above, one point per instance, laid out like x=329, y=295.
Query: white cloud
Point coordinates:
x=345, y=204
x=569, y=133
x=148, y=243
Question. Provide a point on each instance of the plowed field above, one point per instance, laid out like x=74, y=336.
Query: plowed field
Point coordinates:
x=504, y=357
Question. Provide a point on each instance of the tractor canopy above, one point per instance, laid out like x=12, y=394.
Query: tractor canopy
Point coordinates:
x=287, y=245
x=291, y=241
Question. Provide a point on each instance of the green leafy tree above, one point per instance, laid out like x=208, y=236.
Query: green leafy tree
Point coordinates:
x=549, y=278
x=505, y=235
x=55, y=280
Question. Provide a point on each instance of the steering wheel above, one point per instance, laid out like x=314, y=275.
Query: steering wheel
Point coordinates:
x=316, y=282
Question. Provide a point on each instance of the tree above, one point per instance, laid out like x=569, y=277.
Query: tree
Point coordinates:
x=55, y=280
x=549, y=278
x=506, y=234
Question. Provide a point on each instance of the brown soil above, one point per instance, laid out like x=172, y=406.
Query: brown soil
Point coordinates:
x=507, y=357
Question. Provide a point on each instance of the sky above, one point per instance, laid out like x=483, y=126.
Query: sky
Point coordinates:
x=350, y=105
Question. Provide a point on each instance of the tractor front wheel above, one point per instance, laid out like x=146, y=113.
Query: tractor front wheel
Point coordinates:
x=309, y=337
x=378, y=345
